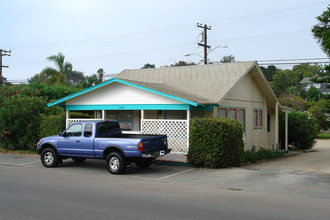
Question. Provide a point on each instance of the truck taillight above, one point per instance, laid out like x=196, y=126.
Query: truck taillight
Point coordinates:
x=140, y=146
x=165, y=141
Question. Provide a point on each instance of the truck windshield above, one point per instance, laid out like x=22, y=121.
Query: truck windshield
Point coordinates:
x=107, y=127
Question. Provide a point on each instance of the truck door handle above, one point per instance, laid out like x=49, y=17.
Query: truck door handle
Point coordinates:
x=77, y=140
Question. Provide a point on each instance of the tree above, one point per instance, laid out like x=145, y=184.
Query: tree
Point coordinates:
x=100, y=74
x=293, y=101
x=183, y=63
x=228, y=59
x=59, y=75
x=319, y=111
x=269, y=72
x=75, y=77
x=4, y=81
x=321, y=32
x=90, y=81
x=306, y=70
x=148, y=65
x=313, y=94
x=284, y=79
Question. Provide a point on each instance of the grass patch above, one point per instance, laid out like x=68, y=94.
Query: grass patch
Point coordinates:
x=323, y=136
x=4, y=150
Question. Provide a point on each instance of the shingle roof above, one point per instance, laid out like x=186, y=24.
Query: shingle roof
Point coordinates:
x=205, y=84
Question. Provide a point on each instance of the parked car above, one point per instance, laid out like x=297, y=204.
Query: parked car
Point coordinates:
x=102, y=140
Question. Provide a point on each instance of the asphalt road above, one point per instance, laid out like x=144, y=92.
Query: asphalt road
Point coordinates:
x=296, y=187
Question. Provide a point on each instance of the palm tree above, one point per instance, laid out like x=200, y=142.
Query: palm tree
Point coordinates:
x=56, y=76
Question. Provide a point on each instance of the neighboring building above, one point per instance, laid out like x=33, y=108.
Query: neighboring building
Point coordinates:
x=322, y=87
x=163, y=100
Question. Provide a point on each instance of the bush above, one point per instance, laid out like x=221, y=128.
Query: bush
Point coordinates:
x=52, y=124
x=262, y=154
x=302, y=127
x=85, y=114
x=20, y=121
x=215, y=142
x=319, y=111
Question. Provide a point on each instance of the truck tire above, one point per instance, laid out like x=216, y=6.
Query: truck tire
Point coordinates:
x=49, y=158
x=143, y=163
x=78, y=159
x=116, y=163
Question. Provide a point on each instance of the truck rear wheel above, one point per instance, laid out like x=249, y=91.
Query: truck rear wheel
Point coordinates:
x=143, y=163
x=49, y=157
x=116, y=163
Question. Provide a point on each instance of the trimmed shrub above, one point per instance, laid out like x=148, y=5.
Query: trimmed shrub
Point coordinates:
x=52, y=124
x=303, y=129
x=215, y=142
x=262, y=154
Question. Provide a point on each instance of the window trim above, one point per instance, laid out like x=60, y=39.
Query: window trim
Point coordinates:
x=258, y=126
x=236, y=114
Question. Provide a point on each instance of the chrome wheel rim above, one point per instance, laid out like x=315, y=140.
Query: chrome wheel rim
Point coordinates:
x=114, y=163
x=49, y=158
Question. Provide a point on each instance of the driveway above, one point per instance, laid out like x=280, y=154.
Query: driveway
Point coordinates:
x=316, y=161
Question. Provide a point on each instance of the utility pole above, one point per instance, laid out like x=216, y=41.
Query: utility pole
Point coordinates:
x=3, y=53
x=205, y=27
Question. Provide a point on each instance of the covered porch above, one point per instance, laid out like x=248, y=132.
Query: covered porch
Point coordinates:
x=172, y=121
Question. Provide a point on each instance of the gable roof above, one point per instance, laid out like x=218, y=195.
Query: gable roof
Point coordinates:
x=193, y=85
x=203, y=84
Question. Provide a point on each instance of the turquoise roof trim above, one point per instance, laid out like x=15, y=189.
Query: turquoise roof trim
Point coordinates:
x=128, y=107
x=60, y=101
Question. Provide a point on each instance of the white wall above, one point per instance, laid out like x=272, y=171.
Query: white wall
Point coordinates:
x=117, y=93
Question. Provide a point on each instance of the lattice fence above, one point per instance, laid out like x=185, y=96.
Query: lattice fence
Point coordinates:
x=71, y=121
x=177, y=132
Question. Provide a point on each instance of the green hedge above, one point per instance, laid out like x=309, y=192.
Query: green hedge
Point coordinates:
x=52, y=124
x=215, y=142
x=262, y=154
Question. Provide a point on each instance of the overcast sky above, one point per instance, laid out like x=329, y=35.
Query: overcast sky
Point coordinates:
x=126, y=34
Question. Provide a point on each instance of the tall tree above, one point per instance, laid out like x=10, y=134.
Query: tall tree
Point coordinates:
x=269, y=72
x=321, y=32
x=57, y=76
x=228, y=59
x=284, y=79
x=306, y=70
x=100, y=74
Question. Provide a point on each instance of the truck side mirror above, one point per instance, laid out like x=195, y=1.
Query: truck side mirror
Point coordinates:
x=61, y=134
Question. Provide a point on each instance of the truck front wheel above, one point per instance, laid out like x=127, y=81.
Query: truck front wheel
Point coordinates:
x=49, y=158
x=116, y=163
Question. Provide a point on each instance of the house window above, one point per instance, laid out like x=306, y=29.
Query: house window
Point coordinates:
x=258, y=118
x=234, y=113
x=124, y=118
x=268, y=123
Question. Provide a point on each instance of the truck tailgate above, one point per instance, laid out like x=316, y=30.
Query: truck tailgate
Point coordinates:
x=154, y=143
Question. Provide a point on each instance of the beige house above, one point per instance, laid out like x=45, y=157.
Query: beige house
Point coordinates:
x=163, y=100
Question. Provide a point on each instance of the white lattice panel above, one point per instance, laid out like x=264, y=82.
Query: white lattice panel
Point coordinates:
x=177, y=132
x=71, y=121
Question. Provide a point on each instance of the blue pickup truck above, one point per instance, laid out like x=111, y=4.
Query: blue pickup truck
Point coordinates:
x=102, y=140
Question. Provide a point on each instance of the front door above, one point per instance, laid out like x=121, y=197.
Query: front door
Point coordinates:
x=70, y=142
